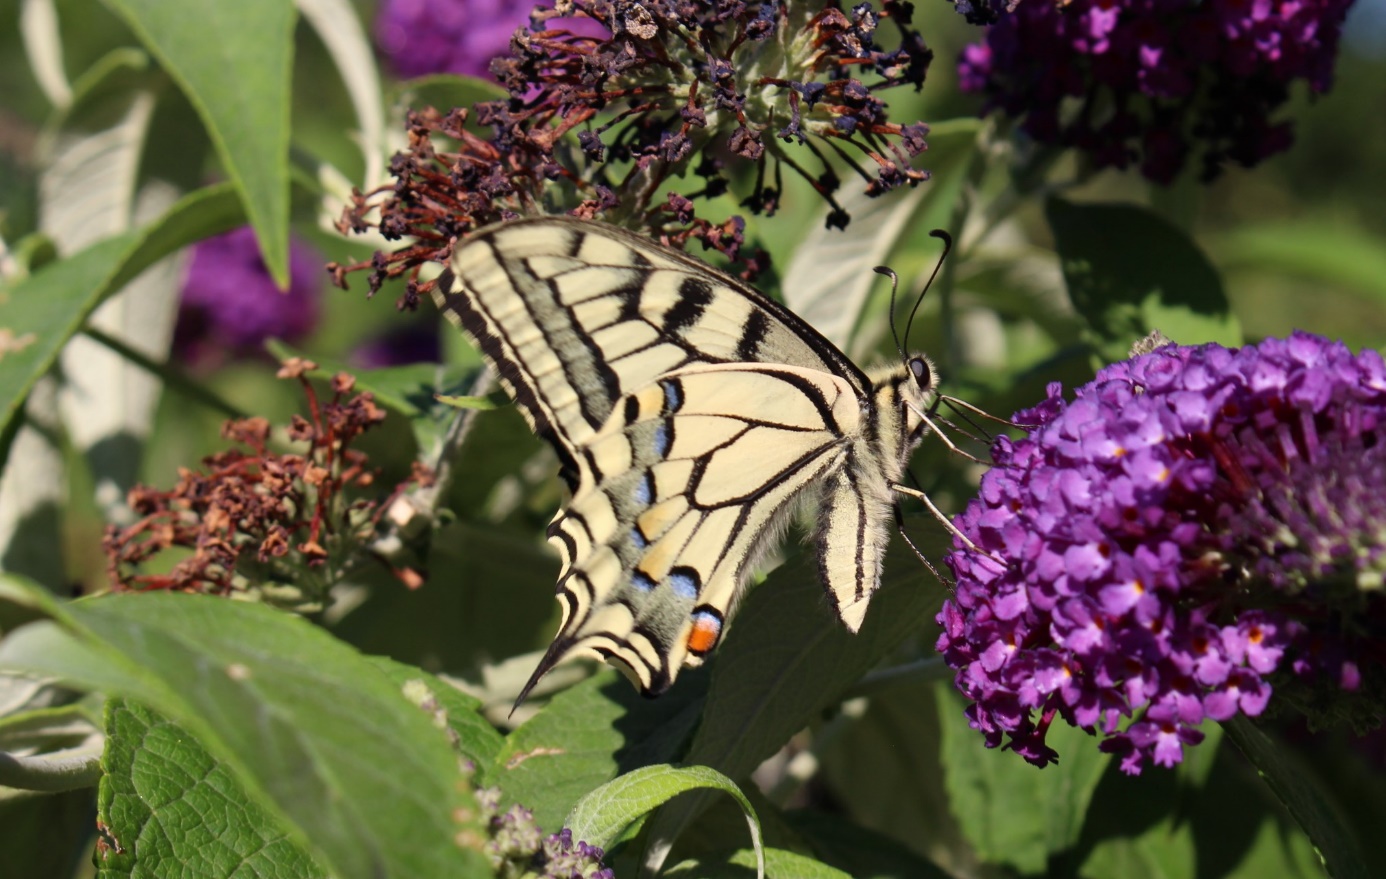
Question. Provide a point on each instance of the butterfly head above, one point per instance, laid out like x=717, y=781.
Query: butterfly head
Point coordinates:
x=920, y=388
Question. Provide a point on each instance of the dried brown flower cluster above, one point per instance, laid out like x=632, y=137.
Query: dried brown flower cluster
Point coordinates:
x=729, y=94
x=258, y=520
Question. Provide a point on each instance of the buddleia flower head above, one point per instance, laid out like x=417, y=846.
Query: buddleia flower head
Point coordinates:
x=281, y=526
x=420, y=37
x=231, y=305
x=1152, y=82
x=603, y=124
x=1200, y=531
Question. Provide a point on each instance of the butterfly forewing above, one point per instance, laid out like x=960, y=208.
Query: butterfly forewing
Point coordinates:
x=689, y=413
x=576, y=315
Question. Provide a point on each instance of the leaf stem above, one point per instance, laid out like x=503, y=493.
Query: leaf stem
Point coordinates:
x=171, y=376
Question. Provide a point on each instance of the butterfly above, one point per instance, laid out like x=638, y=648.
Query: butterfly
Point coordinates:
x=691, y=416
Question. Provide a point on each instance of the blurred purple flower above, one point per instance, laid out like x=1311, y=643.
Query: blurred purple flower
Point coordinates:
x=1149, y=81
x=230, y=304
x=399, y=346
x=420, y=37
x=1197, y=522
x=517, y=845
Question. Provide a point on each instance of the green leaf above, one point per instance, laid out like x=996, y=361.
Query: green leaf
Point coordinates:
x=1171, y=824
x=41, y=312
x=779, y=864
x=600, y=817
x=984, y=787
x=886, y=771
x=234, y=63
x=787, y=658
x=314, y=731
x=338, y=25
x=47, y=836
x=1332, y=253
x=165, y=801
x=477, y=739
x=860, y=852
x=1305, y=799
x=1129, y=271
x=588, y=735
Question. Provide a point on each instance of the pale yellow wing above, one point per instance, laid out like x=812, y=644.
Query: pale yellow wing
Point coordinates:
x=575, y=315
x=681, y=488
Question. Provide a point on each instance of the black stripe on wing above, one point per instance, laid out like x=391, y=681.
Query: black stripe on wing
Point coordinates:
x=765, y=312
x=515, y=378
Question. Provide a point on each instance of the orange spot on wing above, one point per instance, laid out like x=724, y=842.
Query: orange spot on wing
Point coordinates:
x=704, y=635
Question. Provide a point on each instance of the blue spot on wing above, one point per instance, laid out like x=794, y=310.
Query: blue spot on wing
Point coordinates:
x=637, y=539
x=673, y=395
x=684, y=582
x=661, y=439
x=640, y=580
x=644, y=490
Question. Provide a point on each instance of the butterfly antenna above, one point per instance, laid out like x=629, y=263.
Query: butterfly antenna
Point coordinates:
x=947, y=248
x=894, y=283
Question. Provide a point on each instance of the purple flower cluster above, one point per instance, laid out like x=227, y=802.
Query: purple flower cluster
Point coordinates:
x=1149, y=80
x=420, y=37
x=1198, y=522
x=230, y=304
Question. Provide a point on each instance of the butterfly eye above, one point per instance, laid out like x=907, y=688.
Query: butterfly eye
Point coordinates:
x=922, y=372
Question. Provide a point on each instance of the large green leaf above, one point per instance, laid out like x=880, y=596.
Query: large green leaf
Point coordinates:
x=1304, y=797
x=587, y=736
x=314, y=731
x=788, y=658
x=166, y=801
x=860, y=852
x=984, y=787
x=886, y=770
x=1129, y=271
x=46, y=836
x=1209, y=816
x=602, y=816
x=477, y=740
x=779, y=864
x=41, y=312
x=234, y=63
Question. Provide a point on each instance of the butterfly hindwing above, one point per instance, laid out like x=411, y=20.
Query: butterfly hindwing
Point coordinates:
x=664, y=523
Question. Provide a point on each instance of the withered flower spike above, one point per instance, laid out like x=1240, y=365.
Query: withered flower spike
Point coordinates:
x=596, y=124
x=242, y=513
